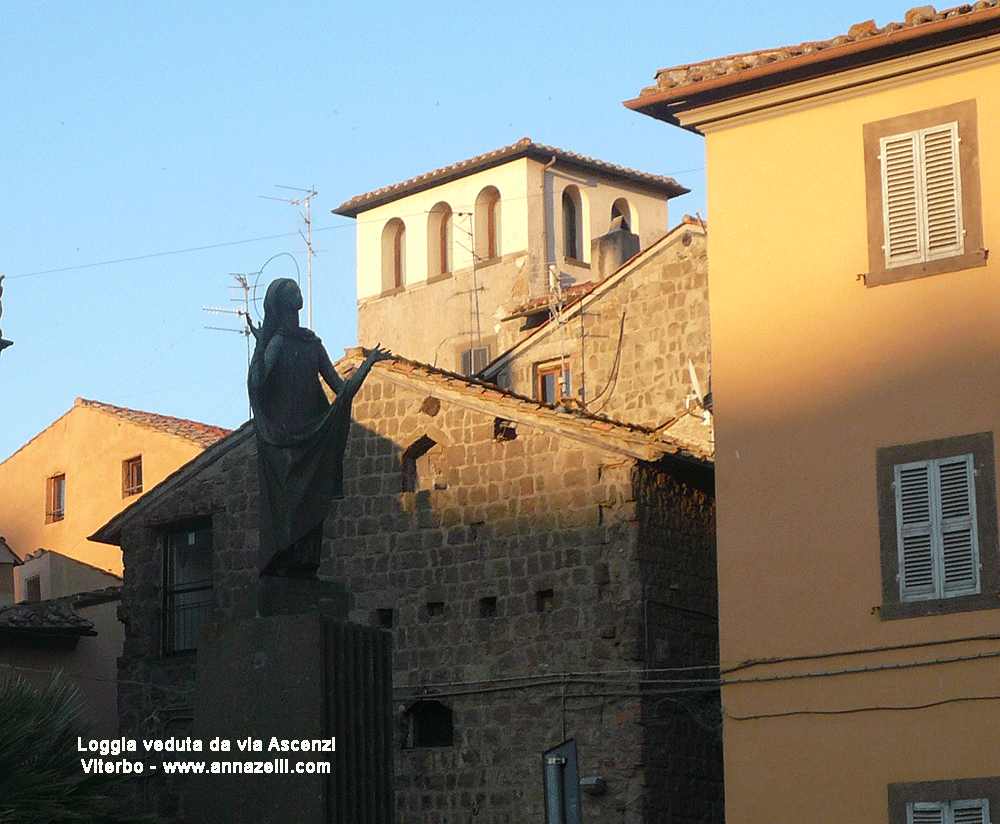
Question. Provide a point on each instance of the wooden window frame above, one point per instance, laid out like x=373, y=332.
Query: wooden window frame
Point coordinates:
x=969, y=253
x=896, y=602
x=947, y=796
x=563, y=375
x=55, y=498
x=571, y=226
x=132, y=476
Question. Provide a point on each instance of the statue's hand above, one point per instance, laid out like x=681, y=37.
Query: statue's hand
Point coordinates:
x=378, y=354
x=254, y=329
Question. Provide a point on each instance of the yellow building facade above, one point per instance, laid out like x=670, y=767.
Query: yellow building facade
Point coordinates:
x=853, y=190
x=85, y=467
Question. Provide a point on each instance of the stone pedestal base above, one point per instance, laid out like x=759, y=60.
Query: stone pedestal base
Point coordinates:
x=282, y=679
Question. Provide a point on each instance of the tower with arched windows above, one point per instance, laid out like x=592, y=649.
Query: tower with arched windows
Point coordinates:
x=444, y=256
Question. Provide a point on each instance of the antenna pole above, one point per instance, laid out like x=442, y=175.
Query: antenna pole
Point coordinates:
x=307, y=237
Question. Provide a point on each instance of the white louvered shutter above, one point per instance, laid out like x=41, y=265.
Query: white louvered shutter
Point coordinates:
x=971, y=812
x=942, y=191
x=921, y=195
x=915, y=526
x=959, y=550
x=929, y=812
x=901, y=212
x=938, y=542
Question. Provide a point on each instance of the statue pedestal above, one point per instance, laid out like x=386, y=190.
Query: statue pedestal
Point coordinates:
x=298, y=672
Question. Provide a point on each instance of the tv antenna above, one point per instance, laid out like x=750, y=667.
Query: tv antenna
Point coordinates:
x=3, y=343
x=241, y=290
x=307, y=236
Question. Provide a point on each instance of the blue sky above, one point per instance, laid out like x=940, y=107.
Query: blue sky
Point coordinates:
x=137, y=139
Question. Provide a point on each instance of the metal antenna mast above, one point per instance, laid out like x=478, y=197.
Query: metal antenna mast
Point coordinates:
x=243, y=285
x=307, y=237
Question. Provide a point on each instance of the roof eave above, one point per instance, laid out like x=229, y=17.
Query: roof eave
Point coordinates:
x=664, y=105
x=535, y=151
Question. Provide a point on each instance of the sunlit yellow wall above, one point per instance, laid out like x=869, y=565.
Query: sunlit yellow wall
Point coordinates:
x=88, y=445
x=812, y=371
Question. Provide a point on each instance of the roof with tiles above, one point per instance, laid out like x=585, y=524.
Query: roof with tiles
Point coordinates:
x=525, y=147
x=864, y=43
x=202, y=434
x=44, y=618
x=644, y=443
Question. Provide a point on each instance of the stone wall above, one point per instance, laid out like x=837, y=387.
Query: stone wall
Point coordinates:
x=515, y=572
x=676, y=517
x=629, y=348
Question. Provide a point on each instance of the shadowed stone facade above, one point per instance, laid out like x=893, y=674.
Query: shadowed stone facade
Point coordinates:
x=626, y=342
x=540, y=572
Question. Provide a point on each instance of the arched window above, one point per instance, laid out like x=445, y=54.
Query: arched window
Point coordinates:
x=621, y=215
x=487, y=226
x=439, y=241
x=393, y=255
x=429, y=724
x=572, y=235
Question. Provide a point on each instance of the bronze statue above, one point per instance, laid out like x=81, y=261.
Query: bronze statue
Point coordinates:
x=301, y=437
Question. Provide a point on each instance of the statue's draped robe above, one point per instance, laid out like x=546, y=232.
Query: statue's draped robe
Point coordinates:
x=301, y=439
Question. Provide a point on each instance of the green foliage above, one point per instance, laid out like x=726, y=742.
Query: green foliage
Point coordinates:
x=41, y=777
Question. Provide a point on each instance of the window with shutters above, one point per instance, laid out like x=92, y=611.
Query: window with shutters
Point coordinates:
x=954, y=801
x=922, y=177
x=937, y=510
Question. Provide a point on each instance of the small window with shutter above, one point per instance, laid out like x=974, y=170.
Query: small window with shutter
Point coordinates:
x=951, y=801
x=924, y=205
x=972, y=811
x=938, y=526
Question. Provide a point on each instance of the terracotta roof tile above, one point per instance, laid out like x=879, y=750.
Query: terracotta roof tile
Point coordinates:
x=504, y=399
x=202, y=434
x=45, y=617
x=920, y=17
x=525, y=147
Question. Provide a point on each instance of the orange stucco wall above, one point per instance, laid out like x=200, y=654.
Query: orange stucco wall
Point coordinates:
x=88, y=445
x=812, y=372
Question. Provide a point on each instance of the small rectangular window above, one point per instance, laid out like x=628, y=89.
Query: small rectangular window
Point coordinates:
x=938, y=528
x=55, y=498
x=551, y=387
x=924, y=209
x=435, y=608
x=32, y=589
x=187, y=586
x=488, y=607
x=132, y=476
x=383, y=618
x=475, y=360
x=544, y=599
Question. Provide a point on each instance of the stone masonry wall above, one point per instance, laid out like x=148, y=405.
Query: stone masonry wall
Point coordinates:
x=508, y=564
x=676, y=517
x=630, y=348
x=515, y=574
x=156, y=691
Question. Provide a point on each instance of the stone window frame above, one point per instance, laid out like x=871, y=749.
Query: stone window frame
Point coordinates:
x=172, y=589
x=55, y=498
x=132, y=476
x=973, y=253
x=980, y=446
x=903, y=795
